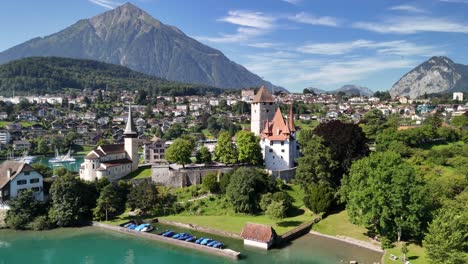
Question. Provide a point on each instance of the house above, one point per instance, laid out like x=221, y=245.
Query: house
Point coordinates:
x=3, y=115
x=5, y=137
x=113, y=161
x=21, y=145
x=155, y=150
x=16, y=176
x=258, y=235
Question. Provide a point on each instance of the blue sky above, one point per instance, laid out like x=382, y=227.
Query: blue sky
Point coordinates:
x=292, y=43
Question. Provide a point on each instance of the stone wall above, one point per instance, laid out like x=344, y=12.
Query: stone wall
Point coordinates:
x=284, y=175
x=183, y=177
x=3, y=213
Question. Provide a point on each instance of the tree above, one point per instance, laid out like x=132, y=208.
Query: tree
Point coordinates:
x=404, y=251
x=225, y=151
x=72, y=201
x=374, y=122
x=384, y=194
x=276, y=210
x=316, y=163
x=180, y=151
x=143, y=196
x=175, y=131
x=346, y=142
x=210, y=183
x=446, y=239
x=43, y=169
x=248, y=148
x=318, y=197
x=245, y=188
x=107, y=203
x=23, y=209
x=203, y=155
x=383, y=96
x=42, y=146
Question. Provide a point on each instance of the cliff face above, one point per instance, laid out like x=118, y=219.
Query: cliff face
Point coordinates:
x=437, y=75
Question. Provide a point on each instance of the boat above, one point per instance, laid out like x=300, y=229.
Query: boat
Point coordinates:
x=212, y=243
x=198, y=241
x=62, y=158
x=148, y=228
x=218, y=245
x=168, y=233
x=140, y=227
x=206, y=241
x=184, y=237
x=132, y=226
x=190, y=239
x=25, y=158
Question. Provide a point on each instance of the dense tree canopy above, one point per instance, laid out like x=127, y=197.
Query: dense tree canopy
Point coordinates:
x=248, y=148
x=180, y=151
x=225, y=150
x=23, y=209
x=384, y=194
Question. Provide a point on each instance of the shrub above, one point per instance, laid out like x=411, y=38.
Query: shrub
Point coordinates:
x=318, y=198
x=41, y=223
x=210, y=183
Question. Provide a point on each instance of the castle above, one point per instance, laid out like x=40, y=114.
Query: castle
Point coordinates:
x=277, y=137
x=113, y=161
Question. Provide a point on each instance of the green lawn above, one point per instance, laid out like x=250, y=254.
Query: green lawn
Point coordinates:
x=306, y=124
x=142, y=172
x=338, y=224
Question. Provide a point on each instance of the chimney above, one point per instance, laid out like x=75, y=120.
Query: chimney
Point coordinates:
x=9, y=173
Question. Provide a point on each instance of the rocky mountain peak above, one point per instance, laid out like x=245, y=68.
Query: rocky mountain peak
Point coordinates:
x=436, y=75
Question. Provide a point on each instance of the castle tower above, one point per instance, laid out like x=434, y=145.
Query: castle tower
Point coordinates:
x=131, y=144
x=263, y=109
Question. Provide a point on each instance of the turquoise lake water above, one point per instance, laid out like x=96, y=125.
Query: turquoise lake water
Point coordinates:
x=73, y=166
x=92, y=246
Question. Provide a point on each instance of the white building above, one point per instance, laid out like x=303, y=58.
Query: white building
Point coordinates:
x=277, y=137
x=5, y=137
x=258, y=235
x=113, y=161
x=458, y=96
x=16, y=176
x=263, y=109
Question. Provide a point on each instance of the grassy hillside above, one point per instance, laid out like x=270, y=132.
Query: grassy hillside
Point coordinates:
x=41, y=75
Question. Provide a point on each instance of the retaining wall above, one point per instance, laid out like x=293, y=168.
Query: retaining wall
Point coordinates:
x=297, y=232
x=228, y=253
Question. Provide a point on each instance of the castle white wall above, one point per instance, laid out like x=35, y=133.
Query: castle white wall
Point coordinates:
x=260, y=113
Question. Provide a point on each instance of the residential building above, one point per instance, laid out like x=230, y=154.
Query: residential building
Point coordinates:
x=16, y=176
x=155, y=150
x=263, y=109
x=5, y=137
x=458, y=96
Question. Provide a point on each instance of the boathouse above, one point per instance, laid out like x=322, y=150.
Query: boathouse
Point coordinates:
x=258, y=235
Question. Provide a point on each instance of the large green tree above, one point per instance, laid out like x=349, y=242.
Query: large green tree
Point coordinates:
x=23, y=209
x=447, y=238
x=108, y=202
x=384, y=194
x=248, y=147
x=203, y=155
x=144, y=196
x=245, y=188
x=180, y=151
x=71, y=201
x=373, y=122
x=225, y=150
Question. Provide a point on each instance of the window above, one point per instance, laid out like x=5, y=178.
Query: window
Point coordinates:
x=21, y=182
x=26, y=173
x=281, y=157
x=282, y=150
x=267, y=111
x=271, y=150
x=273, y=157
x=271, y=143
x=35, y=180
x=36, y=189
x=282, y=143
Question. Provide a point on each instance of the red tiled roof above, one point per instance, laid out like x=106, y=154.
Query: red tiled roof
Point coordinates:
x=263, y=96
x=257, y=232
x=276, y=129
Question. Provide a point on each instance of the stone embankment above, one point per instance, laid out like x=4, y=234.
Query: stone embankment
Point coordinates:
x=353, y=241
x=228, y=253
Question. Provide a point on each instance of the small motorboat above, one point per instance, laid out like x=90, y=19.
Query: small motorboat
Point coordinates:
x=218, y=245
x=190, y=239
x=198, y=241
x=184, y=236
x=212, y=243
x=140, y=227
x=176, y=236
x=132, y=226
x=206, y=241
x=148, y=228
x=128, y=224
x=168, y=233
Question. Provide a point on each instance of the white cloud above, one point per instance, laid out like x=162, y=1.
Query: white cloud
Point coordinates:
x=397, y=47
x=251, y=24
x=249, y=19
x=413, y=24
x=315, y=20
x=293, y=2
x=105, y=3
x=455, y=1
x=262, y=45
x=408, y=8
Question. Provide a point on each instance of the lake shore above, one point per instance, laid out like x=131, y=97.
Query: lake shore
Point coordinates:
x=350, y=240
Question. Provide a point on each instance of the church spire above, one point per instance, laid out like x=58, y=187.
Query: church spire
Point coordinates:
x=130, y=128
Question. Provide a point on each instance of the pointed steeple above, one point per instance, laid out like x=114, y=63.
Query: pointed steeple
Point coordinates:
x=292, y=128
x=130, y=128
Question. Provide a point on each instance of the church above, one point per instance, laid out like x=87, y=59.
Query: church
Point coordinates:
x=113, y=161
x=277, y=135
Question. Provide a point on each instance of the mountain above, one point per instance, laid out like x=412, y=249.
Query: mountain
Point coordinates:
x=436, y=75
x=41, y=75
x=350, y=89
x=130, y=37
